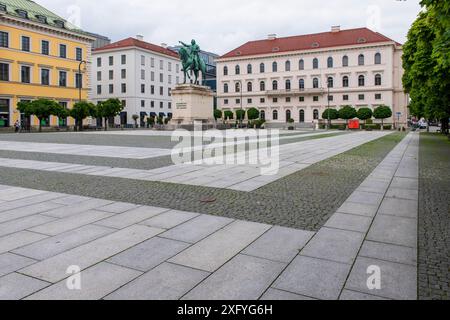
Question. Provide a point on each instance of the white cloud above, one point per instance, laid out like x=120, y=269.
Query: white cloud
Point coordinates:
x=220, y=26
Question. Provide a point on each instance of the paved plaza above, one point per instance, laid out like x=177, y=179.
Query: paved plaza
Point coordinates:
x=134, y=250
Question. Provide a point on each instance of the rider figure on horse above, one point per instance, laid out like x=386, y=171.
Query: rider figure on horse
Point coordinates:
x=190, y=56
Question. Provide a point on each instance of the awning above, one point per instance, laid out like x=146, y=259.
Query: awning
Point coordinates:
x=169, y=115
x=162, y=114
x=153, y=114
x=144, y=114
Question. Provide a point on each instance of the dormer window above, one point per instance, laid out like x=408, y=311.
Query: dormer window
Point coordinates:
x=59, y=23
x=22, y=13
x=42, y=19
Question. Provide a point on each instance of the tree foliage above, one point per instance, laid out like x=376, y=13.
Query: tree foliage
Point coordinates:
x=228, y=115
x=253, y=114
x=426, y=60
x=334, y=114
x=80, y=111
x=240, y=114
x=364, y=114
x=347, y=113
x=218, y=114
x=41, y=109
x=109, y=109
x=382, y=112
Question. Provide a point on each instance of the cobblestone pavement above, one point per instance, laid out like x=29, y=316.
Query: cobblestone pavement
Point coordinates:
x=304, y=200
x=128, y=251
x=434, y=218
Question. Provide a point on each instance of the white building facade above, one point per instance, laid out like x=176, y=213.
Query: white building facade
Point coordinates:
x=290, y=78
x=139, y=74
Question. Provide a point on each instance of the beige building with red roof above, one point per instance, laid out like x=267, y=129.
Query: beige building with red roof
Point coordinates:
x=138, y=73
x=289, y=78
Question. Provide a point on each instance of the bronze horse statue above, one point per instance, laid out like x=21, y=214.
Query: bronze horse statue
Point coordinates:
x=191, y=61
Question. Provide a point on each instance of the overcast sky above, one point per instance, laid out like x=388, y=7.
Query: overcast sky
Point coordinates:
x=220, y=26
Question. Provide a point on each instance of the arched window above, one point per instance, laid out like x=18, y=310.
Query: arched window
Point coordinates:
x=225, y=71
x=238, y=69
x=301, y=84
x=345, y=61
x=302, y=116
x=288, y=115
x=262, y=68
x=316, y=114
x=225, y=88
x=361, y=81
x=378, y=80
x=301, y=65
x=249, y=69
x=378, y=58
x=262, y=115
x=345, y=82
x=274, y=67
x=288, y=66
x=330, y=82
x=275, y=115
x=275, y=85
x=330, y=62
x=237, y=87
x=262, y=86
x=361, y=60
x=316, y=63
x=315, y=83
x=288, y=84
x=249, y=87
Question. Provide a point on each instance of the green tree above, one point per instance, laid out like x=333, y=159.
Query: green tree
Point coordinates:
x=62, y=113
x=109, y=109
x=80, y=111
x=364, y=114
x=217, y=114
x=334, y=115
x=40, y=108
x=240, y=115
x=381, y=113
x=253, y=114
x=228, y=115
x=347, y=113
x=426, y=60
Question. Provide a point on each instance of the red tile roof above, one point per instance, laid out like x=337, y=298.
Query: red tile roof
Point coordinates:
x=308, y=42
x=132, y=42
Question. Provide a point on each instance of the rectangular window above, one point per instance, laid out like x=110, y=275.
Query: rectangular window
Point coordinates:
x=142, y=74
x=123, y=59
x=361, y=97
x=111, y=88
x=330, y=98
x=111, y=60
x=169, y=66
x=142, y=60
x=79, y=54
x=288, y=99
x=275, y=100
x=161, y=91
x=4, y=72
x=225, y=101
x=124, y=88
x=152, y=89
x=170, y=79
x=378, y=96
x=99, y=89
x=316, y=98
x=177, y=68
x=123, y=73
x=4, y=39
x=301, y=99
x=152, y=104
x=345, y=97
x=152, y=76
x=152, y=62
x=63, y=79
x=45, y=47
x=262, y=100
x=4, y=113
x=62, y=51
x=161, y=64
x=25, y=74
x=45, y=77
x=99, y=76
x=142, y=103
x=238, y=101
x=26, y=44
x=142, y=88
x=161, y=77
x=111, y=74
x=78, y=80
x=99, y=62
x=249, y=101
x=161, y=105
x=169, y=92
x=169, y=105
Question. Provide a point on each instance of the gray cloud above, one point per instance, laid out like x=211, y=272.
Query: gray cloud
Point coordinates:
x=220, y=26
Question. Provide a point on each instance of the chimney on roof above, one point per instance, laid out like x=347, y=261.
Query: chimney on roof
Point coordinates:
x=335, y=29
x=164, y=45
x=140, y=37
x=272, y=36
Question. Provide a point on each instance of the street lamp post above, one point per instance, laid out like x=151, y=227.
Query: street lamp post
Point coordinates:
x=328, y=98
x=80, y=86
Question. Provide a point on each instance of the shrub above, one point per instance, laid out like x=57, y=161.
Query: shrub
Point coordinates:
x=218, y=114
x=347, y=113
x=228, y=115
x=382, y=112
x=334, y=114
x=364, y=114
x=253, y=114
x=240, y=115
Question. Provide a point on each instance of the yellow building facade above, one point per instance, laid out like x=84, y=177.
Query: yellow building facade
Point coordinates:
x=40, y=57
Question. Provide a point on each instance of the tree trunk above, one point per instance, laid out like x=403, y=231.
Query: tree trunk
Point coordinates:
x=40, y=124
x=444, y=126
x=106, y=124
x=382, y=124
x=80, y=125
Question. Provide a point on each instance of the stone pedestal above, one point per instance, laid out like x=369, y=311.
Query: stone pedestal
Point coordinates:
x=192, y=103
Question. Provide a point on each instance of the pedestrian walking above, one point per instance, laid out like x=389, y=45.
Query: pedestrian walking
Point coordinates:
x=17, y=126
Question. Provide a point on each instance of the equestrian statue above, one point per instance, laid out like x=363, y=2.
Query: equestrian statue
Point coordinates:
x=192, y=62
